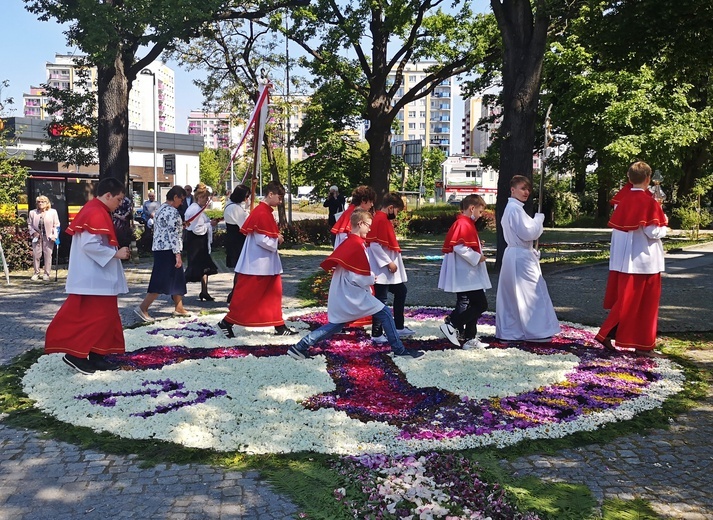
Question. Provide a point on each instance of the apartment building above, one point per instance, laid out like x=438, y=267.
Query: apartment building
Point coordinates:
x=215, y=127
x=63, y=73
x=477, y=140
x=428, y=118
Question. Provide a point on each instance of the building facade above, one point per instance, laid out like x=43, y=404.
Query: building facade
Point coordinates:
x=463, y=175
x=63, y=73
x=476, y=140
x=25, y=136
x=428, y=118
x=214, y=127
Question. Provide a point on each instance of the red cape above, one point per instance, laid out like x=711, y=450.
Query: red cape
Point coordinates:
x=344, y=225
x=462, y=231
x=637, y=209
x=351, y=255
x=94, y=217
x=261, y=221
x=382, y=232
x=616, y=199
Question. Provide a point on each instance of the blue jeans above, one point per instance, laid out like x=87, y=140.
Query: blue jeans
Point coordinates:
x=328, y=330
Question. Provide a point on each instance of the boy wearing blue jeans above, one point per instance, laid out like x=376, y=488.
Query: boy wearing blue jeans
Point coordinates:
x=350, y=295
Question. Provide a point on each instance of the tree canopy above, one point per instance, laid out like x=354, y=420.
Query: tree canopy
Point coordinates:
x=368, y=44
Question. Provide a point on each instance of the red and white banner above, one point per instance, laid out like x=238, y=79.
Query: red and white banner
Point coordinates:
x=259, y=114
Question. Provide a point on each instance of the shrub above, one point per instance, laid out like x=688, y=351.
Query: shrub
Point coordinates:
x=308, y=231
x=16, y=246
x=435, y=220
x=219, y=236
x=144, y=242
x=315, y=287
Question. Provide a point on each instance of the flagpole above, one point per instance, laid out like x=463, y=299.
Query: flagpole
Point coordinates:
x=547, y=142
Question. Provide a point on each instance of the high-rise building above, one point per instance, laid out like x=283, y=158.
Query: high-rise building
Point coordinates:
x=477, y=140
x=428, y=118
x=141, y=99
x=215, y=128
x=297, y=104
x=63, y=73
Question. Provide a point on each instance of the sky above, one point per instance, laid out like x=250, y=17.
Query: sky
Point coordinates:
x=30, y=43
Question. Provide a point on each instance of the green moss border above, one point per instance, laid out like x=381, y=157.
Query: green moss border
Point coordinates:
x=308, y=480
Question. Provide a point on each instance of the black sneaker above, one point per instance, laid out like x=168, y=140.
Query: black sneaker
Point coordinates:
x=409, y=353
x=226, y=328
x=297, y=354
x=99, y=363
x=81, y=365
x=283, y=330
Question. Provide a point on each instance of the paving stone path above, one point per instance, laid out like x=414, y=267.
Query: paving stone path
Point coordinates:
x=46, y=479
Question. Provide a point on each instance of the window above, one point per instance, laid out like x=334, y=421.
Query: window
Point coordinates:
x=412, y=113
x=412, y=79
x=412, y=126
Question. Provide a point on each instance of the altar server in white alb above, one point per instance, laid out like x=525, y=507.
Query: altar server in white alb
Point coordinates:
x=636, y=261
x=350, y=295
x=523, y=310
x=88, y=326
x=386, y=263
x=463, y=272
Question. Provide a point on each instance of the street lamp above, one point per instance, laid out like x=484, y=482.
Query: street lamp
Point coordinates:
x=288, y=110
x=151, y=73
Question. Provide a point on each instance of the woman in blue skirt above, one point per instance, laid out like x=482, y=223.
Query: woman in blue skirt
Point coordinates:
x=167, y=275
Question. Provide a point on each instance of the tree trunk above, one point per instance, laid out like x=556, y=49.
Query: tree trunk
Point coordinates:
x=378, y=107
x=379, y=138
x=113, y=129
x=524, y=36
x=692, y=161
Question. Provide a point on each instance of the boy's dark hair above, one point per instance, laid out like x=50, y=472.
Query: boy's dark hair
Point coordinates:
x=240, y=193
x=358, y=215
x=363, y=194
x=275, y=187
x=176, y=190
x=472, y=200
x=110, y=185
x=392, y=199
x=520, y=179
x=638, y=172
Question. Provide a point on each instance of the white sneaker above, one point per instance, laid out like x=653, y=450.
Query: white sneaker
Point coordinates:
x=405, y=332
x=380, y=340
x=474, y=344
x=46, y=277
x=450, y=333
x=35, y=277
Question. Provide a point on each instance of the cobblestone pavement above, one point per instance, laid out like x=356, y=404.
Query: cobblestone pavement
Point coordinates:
x=45, y=479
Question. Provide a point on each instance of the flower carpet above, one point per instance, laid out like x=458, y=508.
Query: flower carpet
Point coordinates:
x=184, y=382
